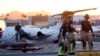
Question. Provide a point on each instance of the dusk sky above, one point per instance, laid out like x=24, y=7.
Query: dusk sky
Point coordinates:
x=53, y=6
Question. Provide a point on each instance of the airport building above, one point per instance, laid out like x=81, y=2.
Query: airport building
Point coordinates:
x=45, y=20
x=14, y=22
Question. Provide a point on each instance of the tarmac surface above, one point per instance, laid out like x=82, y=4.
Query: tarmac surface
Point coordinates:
x=50, y=49
x=32, y=54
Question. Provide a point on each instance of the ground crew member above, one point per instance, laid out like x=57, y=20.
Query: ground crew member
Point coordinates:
x=63, y=46
x=86, y=33
x=70, y=36
x=17, y=29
